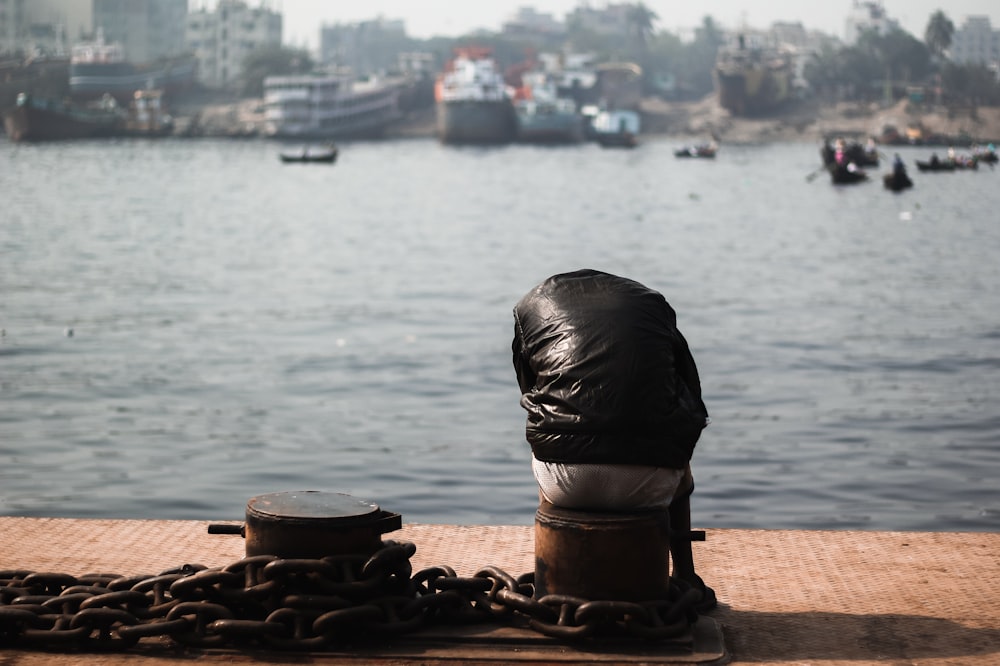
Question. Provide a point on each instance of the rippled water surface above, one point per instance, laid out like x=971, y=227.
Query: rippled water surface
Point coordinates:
x=188, y=324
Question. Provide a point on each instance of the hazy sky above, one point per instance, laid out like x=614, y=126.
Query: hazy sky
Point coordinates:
x=425, y=18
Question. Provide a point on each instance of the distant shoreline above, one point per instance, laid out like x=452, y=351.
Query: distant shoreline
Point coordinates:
x=807, y=122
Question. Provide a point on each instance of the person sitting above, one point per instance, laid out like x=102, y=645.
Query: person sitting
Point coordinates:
x=614, y=402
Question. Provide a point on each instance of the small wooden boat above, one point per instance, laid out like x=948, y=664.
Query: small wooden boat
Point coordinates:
x=706, y=150
x=847, y=175
x=935, y=165
x=326, y=153
x=956, y=163
x=986, y=156
x=896, y=181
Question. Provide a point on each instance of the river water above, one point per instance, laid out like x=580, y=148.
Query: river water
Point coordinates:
x=189, y=324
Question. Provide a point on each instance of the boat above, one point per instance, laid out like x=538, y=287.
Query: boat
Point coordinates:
x=617, y=128
x=897, y=181
x=324, y=154
x=957, y=163
x=543, y=116
x=472, y=102
x=846, y=174
x=752, y=81
x=98, y=68
x=986, y=155
x=329, y=105
x=864, y=154
x=44, y=119
x=705, y=150
x=147, y=115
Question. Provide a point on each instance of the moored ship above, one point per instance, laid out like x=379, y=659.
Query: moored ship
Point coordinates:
x=42, y=119
x=99, y=68
x=752, y=81
x=543, y=116
x=329, y=106
x=473, y=104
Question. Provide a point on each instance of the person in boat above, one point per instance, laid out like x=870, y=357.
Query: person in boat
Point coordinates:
x=614, y=402
x=898, y=168
x=935, y=160
x=840, y=153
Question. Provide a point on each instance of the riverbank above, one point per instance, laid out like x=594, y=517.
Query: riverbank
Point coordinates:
x=805, y=121
x=811, y=121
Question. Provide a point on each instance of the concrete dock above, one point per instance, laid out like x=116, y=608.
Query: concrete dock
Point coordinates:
x=785, y=597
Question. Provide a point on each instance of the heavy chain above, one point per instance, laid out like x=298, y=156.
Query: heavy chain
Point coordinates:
x=306, y=604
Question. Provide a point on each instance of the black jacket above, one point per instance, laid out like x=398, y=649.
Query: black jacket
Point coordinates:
x=605, y=375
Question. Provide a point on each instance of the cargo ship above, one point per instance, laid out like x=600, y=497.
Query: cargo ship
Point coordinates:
x=98, y=68
x=472, y=101
x=752, y=81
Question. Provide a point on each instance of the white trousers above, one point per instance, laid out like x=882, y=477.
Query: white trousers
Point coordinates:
x=609, y=487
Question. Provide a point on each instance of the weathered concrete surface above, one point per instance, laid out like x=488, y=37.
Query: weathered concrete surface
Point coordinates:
x=786, y=597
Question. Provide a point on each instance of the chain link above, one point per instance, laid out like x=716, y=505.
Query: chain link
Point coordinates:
x=307, y=604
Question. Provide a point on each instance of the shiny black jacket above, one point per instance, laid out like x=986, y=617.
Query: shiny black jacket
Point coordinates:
x=605, y=375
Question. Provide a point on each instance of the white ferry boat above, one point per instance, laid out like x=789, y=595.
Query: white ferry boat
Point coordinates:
x=328, y=106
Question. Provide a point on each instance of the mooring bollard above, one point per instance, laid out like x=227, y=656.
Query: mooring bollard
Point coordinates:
x=602, y=555
x=310, y=523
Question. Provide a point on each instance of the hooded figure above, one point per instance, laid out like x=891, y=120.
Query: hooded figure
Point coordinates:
x=613, y=400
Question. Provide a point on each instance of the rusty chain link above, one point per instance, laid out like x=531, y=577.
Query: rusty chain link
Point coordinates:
x=307, y=604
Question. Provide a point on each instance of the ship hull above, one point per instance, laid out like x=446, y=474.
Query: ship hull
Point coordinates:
x=47, y=121
x=476, y=121
x=371, y=127
x=557, y=127
x=751, y=91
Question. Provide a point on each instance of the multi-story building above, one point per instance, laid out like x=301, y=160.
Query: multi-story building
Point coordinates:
x=527, y=21
x=613, y=19
x=50, y=27
x=365, y=47
x=224, y=37
x=865, y=16
x=976, y=42
x=146, y=29
x=11, y=26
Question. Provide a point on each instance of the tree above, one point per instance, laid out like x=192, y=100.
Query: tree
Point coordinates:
x=272, y=61
x=939, y=32
x=903, y=57
x=639, y=19
x=973, y=84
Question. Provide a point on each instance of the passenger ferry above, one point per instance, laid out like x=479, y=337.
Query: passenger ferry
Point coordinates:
x=328, y=106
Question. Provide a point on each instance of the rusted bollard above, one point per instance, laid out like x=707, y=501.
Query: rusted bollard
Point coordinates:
x=311, y=523
x=598, y=555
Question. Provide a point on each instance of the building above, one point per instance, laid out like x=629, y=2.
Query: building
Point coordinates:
x=222, y=39
x=11, y=26
x=612, y=20
x=865, y=16
x=366, y=47
x=976, y=42
x=43, y=27
x=146, y=29
x=528, y=21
